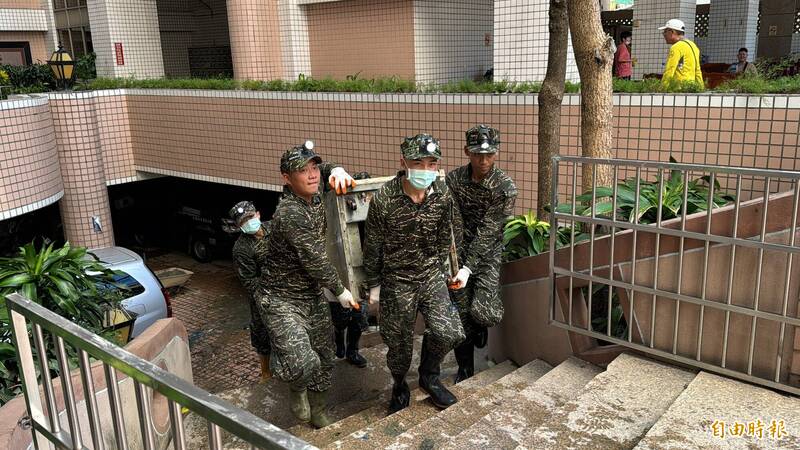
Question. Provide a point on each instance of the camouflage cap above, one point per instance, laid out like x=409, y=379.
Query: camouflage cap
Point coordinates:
x=242, y=210
x=296, y=158
x=421, y=146
x=483, y=139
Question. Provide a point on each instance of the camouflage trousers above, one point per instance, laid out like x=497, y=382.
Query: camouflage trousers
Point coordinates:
x=480, y=301
x=259, y=338
x=399, y=304
x=300, y=333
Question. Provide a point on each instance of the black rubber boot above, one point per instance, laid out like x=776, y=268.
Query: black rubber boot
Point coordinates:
x=429, y=379
x=466, y=361
x=353, y=335
x=401, y=395
x=481, y=337
x=339, y=338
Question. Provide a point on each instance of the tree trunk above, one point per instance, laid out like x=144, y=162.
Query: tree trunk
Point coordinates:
x=550, y=101
x=594, y=55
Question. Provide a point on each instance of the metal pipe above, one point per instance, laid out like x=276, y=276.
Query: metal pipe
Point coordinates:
x=593, y=207
x=680, y=261
x=44, y=369
x=787, y=281
x=635, y=219
x=68, y=392
x=657, y=258
x=176, y=422
x=611, y=262
x=572, y=237
x=214, y=437
x=553, y=236
x=117, y=417
x=91, y=401
x=731, y=270
x=704, y=278
x=758, y=276
x=145, y=415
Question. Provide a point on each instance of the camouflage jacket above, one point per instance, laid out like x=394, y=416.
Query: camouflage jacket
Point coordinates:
x=249, y=253
x=297, y=265
x=406, y=241
x=484, y=208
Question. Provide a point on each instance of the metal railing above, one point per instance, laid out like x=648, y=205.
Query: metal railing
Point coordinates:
x=48, y=429
x=716, y=289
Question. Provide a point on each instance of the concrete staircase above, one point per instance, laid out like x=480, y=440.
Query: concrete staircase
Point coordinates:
x=634, y=403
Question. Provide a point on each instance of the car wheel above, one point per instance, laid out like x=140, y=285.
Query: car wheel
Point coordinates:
x=200, y=250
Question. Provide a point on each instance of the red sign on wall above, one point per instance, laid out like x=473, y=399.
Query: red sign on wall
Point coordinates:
x=119, y=54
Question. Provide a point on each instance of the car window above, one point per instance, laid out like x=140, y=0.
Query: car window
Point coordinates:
x=124, y=284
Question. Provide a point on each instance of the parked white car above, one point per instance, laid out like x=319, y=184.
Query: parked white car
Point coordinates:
x=146, y=297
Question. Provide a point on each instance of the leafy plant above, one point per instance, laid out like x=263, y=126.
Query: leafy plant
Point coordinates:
x=525, y=235
x=63, y=280
x=697, y=199
x=599, y=313
x=85, y=68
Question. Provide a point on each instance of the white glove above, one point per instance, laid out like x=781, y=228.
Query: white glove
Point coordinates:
x=340, y=180
x=374, y=294
x=462, y=277
x=346, y=299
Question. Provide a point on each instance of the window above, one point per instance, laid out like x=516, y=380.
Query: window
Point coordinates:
x=123, y=284
x=15, y=53
x=72, y=24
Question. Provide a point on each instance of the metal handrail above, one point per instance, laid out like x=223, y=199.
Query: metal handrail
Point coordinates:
x=219, y=413
x=652, y=292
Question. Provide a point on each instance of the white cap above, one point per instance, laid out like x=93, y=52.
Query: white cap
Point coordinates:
x=674, y=24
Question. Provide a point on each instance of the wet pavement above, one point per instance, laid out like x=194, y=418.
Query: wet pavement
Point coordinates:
x=213, y=307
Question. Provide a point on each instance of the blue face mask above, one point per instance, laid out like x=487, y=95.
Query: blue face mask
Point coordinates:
x=251, y=226
x=421, y=179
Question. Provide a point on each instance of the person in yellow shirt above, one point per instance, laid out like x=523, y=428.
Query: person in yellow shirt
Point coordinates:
x=683, y=61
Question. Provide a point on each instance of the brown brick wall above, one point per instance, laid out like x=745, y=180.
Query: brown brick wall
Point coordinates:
x=22, y=4
x=373, y=37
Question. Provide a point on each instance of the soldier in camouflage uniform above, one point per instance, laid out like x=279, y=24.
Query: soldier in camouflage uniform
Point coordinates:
x=485, y=196
x=293, y=305
x=248, y=259
x=408, y=235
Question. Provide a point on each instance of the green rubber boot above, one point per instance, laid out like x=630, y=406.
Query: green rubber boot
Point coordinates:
x=300, y=406
x=318, y=402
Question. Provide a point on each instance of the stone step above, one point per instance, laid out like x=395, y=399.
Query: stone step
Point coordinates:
x=375, y=390
x=379, y=433
x=441, y=428
x=615, y=409
x=504, y=427
x=733, y=405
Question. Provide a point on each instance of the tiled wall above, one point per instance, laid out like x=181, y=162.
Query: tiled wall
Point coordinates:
x=33, y=4
x=521, y=40
x=36, y=39
x=238, y=137
x=452, y=39
x=649, y=47
x=255, y=39
x=23, y=19
x=75, y=120
x=30, y=177
x=134, y=24
x=373, y=37
x=731, y=26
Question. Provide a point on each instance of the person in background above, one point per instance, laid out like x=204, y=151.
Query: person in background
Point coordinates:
x=623, y=63
x=409, y=232
x=742, y=67
x=683, y=61
x=485, y=197
x=248, y=259
x=292, y=303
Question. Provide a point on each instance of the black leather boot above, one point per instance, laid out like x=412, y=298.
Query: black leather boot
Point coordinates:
x=465, y=358
x=481, y=337
x=429, y=378
x=353, y=335
x=401, y=395
x=339, y=338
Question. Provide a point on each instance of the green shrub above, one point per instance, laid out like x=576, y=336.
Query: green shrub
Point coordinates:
x=62, y=280
x=85, y=67
x=762, y=85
